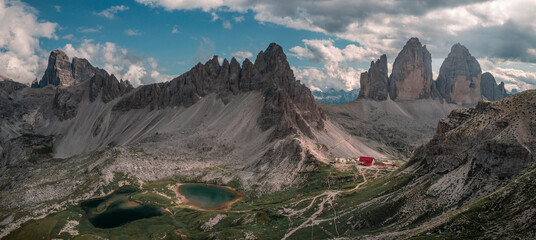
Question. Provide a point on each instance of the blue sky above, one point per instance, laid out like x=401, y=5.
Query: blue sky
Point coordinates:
x=328, y=43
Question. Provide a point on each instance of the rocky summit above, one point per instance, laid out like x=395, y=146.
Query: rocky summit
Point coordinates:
x=490, y=90
x=374, y=82
x=61, y=72
x=459, y=77
x=411, y=77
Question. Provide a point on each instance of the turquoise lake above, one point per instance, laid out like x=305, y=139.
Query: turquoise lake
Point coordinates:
x=207, y=196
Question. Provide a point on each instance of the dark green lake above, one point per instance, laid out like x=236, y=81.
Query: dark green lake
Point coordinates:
x=116, y=209
x=207, y=196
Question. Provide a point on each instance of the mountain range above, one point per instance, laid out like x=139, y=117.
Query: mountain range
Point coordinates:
x=80, y=133
x=332, y=96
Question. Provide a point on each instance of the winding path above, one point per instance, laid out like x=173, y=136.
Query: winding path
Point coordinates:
x=329, y=197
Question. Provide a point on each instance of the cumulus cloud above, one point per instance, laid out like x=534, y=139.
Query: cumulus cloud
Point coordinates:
x=242, y=55
x=112, y=11
x=331, y=75
x=503, y=29
x=337, y=71
x=57, y=8
x=132, y=32
x=324, y=51
x=21, y=58
x=118, y=61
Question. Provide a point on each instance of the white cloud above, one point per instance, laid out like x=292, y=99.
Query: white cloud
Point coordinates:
x=111, y=11
x=214, y=16
x=132, y=32
x=68, y=36
x=336, y=72
x=57, y=8
x=90, y=30
x=227, y=25
x=324, y=51
x=205, y=5
x=385, y=25
x=118, y=61
x=238, y=19
x=175, y=29
x=242, y=55
x=21, y=58
x=331, y=75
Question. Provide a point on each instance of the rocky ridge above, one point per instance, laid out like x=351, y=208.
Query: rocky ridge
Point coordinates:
x=288, y=104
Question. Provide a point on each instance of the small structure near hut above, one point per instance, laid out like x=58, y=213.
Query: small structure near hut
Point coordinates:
x=367, y=161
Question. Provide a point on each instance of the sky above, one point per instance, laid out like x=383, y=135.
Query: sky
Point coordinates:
x=328, y=42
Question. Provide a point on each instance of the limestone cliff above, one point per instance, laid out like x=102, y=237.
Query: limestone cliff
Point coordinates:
x=411, y=77
x=374, y=82
x=459, y=77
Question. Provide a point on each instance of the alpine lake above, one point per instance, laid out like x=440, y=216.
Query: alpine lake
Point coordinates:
x=117, y=209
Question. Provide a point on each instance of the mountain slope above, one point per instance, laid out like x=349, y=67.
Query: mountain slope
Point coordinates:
x=476, y=152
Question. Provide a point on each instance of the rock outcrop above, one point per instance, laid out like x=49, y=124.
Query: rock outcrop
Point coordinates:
x=374, y=82
x=489, y=88
x=411, y=77
x=459, y=77
x=288, y=104
x=493, y=141
x=60, y=72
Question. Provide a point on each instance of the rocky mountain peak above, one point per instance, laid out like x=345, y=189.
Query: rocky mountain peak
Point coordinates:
x=489, y=88
x=459, y=77
x=272, y=58
x=374, y=82
x=58, y=71
x=61, y=72
x=411, y=77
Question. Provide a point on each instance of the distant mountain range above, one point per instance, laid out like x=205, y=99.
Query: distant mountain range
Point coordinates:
x=332, y=96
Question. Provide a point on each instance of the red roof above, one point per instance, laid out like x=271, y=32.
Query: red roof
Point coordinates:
x=366, y=159
x=367, y=163
x=394, y=165
x=383, y=165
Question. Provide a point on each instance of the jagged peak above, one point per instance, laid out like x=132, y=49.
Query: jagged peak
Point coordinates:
x=214, y=61
x=225, y=62
x=235, y=62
